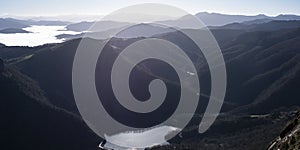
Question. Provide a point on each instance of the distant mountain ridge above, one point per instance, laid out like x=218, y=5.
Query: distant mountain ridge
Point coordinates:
x=267, y=26
x=209, y=19
x=6, y=23
x=97, y=26
x=216, y=19
x=40, y=22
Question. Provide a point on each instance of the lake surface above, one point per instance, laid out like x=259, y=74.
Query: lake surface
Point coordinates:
x=39, y=35
x=152, y=136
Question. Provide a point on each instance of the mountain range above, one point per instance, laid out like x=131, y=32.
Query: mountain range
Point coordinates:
x=209, y=19
x=263, y=72
x=6, y=23
x=216, y=19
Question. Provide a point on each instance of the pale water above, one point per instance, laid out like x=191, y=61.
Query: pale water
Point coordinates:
x=39, y=35
x=151, y=137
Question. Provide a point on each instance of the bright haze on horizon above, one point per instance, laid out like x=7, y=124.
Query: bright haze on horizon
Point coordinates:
x=87, y=8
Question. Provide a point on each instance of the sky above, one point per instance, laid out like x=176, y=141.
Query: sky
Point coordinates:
x=103, y=7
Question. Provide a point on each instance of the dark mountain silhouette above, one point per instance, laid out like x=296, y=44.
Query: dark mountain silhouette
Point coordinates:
x=30, y=121
x=17, y=53
x=262, y=59
x=58, y=85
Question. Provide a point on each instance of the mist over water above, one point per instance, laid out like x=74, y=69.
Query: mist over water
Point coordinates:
x=38, y=35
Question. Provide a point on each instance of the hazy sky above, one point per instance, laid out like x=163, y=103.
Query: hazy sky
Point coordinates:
x=102, y=7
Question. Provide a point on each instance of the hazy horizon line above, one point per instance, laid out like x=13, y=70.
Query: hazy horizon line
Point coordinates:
x=96, y=14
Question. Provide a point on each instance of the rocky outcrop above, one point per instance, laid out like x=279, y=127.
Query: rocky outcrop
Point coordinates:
x=289, y=139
